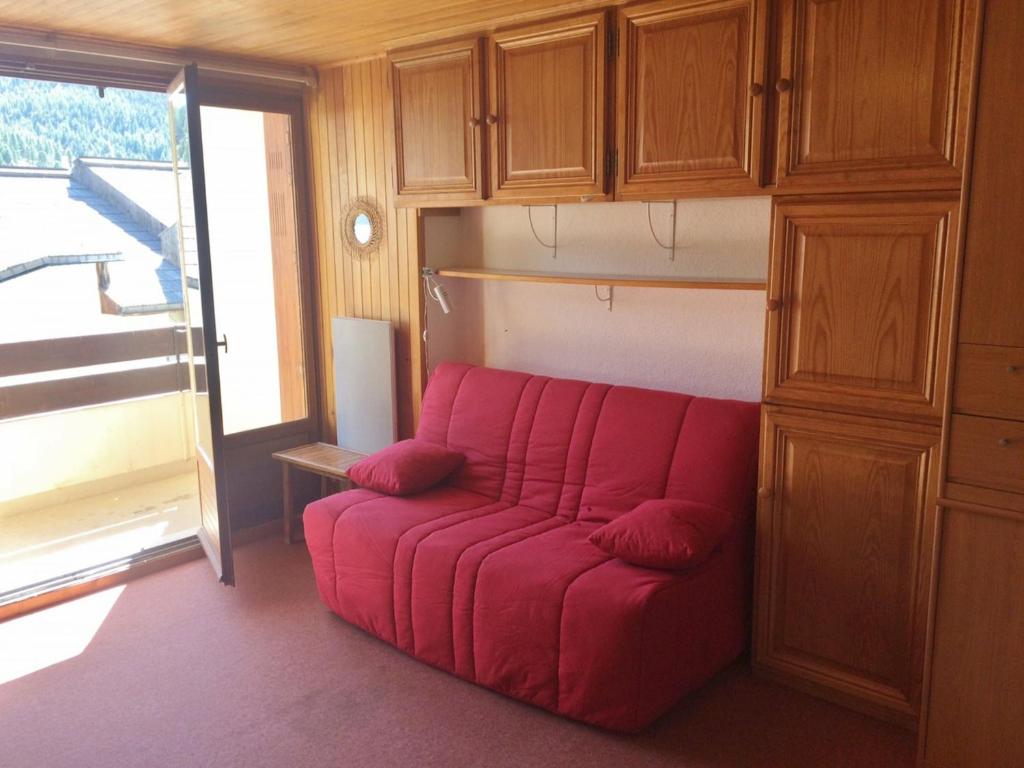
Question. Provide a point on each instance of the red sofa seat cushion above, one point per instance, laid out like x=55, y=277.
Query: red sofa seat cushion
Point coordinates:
x=664, y=533
x=405, y=468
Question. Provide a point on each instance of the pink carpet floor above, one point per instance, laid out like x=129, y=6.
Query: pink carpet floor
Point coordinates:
x=184, y=672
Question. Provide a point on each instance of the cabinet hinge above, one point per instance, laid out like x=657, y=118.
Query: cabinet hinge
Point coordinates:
x=613, y=44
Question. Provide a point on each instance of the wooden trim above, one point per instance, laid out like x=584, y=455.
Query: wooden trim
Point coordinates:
x=969, y=102
x=603, y=280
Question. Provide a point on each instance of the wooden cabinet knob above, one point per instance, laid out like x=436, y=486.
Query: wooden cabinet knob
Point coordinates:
x=773, y=305
x=492, y=119
x=783, y=85
x=756, y=89
x=764, y=493
x=1003, y=442
x=474, y=122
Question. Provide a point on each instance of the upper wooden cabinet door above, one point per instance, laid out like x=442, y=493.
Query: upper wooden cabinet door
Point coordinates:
x=859, y=297
x=438, y=112
x=873, y=93
x=547, y=108
x=993, y=279
x=691, y=98
x=844, y=531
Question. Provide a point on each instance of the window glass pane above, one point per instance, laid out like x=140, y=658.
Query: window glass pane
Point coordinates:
x=253, y=240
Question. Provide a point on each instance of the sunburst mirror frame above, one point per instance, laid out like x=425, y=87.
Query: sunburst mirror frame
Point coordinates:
x=362, y=206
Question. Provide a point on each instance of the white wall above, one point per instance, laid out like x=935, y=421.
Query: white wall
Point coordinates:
x=698, y=341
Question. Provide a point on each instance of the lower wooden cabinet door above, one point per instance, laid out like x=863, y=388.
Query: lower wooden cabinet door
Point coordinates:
x=844, y=526
x=975, y=705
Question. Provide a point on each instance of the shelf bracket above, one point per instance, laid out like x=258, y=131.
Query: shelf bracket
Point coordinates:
x=553, y=247
x=609, y=299
x=671, y=247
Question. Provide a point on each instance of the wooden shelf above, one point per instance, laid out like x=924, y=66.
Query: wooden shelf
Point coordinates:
x=719, y=284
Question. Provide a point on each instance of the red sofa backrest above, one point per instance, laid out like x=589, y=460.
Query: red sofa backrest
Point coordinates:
x=590, y=451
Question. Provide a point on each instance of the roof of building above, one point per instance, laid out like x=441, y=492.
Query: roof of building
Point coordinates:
x=99, y=211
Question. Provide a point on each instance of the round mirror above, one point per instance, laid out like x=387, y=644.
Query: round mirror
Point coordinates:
x=362, y=227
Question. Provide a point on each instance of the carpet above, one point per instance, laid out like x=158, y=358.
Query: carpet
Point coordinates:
x=177, y=670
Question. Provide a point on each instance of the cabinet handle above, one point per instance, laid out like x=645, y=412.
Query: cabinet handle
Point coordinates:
x=1003, y=442
x=1011, y=369
x=783, y=85
x=474, y=122
x=764, y=493
x=492, y=119
x=773, y=305
x=756, y=89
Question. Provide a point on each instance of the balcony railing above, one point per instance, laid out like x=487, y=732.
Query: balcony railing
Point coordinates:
x=75, y=372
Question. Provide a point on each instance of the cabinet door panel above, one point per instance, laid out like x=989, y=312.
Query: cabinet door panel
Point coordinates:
x=873, y=92
x=437, y=98
x=993, y=281
x=864, y=287
x=976, y=696
x=842, y=570
x=547, y=108
x=691, y=97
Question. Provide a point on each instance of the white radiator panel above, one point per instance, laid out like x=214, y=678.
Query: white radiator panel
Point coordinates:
x=364, y=383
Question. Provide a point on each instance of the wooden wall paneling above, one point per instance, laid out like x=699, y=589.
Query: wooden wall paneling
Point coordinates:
x=547, y=94
x=353, y=156
x=691, y=87
x=975, y=699
x=438, y=122
x=859, y=304
x=285, y=255
x=845, y=517
x=873, y=94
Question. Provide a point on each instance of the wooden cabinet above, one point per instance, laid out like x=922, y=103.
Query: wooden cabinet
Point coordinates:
x=993, y=280
x=547, y=111
x=846, y=506
x=691, y=97
x=975, y=703
x=873, y=94
x=438, y=112
x=859, y=294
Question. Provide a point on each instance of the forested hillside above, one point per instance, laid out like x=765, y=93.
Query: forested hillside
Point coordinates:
x=47, y=125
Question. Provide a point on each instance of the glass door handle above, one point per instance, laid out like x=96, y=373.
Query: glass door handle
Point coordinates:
x=223, y=343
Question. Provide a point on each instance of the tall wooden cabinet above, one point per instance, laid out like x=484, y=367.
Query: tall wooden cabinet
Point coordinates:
x=858, y=314
x=974, y=704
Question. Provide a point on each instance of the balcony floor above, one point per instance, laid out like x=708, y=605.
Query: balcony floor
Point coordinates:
x=50, y=542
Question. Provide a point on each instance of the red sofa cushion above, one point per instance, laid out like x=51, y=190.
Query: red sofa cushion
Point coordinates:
x=405, y=468
x=664, y=533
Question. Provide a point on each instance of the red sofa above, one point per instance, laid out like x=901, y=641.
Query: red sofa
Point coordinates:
x=491, y=576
